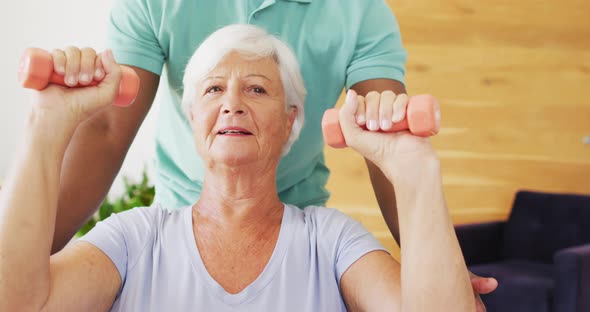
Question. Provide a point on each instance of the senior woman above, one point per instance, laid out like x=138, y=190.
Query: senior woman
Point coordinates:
x=238, y=248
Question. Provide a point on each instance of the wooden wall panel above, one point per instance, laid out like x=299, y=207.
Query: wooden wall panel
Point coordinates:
x=513, y=81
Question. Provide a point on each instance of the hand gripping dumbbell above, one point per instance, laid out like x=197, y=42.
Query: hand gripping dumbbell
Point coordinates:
x=422, y=119
x=36, y=72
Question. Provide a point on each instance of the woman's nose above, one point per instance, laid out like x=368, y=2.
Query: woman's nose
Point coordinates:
x=236, y=111
x=232, y=104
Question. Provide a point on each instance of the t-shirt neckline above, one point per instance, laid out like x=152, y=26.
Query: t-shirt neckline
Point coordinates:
x=254, y=288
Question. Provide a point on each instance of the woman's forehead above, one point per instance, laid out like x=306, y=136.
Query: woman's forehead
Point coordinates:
x=235, y=64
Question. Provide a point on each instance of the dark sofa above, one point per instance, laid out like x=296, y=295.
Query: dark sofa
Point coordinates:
x=540, y=255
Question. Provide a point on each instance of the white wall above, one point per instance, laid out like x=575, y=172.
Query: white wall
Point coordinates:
x=48, y=25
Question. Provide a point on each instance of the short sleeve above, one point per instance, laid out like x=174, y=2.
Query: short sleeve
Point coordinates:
x=346, y=239
x=379, y=53
x=131, y=35
x=123, y=236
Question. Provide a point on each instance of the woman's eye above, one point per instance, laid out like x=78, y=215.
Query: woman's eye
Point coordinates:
x=213, y=89
x=258, y=90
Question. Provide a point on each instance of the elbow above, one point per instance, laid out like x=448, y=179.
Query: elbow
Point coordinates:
x=31, y=299
x=21, y=305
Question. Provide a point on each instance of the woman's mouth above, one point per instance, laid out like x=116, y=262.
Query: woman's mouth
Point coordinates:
x=233, y=131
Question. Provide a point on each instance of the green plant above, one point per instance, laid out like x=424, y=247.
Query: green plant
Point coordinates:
x=136, y=195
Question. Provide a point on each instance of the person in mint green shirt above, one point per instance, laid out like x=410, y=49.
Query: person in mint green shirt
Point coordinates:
x=337, y=44
x=353, y=44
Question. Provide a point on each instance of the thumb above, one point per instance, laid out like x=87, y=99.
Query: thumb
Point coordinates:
x=110, y=84
x=483, y=285
x=347, y=115
x=362, y=141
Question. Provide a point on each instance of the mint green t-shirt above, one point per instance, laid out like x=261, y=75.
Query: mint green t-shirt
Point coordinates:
x=338, y=43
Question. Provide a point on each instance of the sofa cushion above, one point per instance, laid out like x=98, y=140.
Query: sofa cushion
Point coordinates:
x=542, y=223
x=523, y=286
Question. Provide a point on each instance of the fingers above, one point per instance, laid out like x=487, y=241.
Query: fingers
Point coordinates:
x=79, y=66
x=350, y=108
x=59, y=61
x=483, y=285
x=87, y=62
x=83, y=66
x=91, y=99
x=372, y=101
x=386, y=109
x=361, y=119
x=72, y=66
x=355, y=135
x=399, y=107
x=99, y=72
x=348, y=115
x=383, y=110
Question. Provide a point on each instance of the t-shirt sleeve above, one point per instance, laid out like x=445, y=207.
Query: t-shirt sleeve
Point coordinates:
x=131, y=34
x=346, y=239
x=378, y=53
x=123, y=236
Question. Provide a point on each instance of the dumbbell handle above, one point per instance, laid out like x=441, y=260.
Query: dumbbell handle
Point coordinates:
x=36, y=72
x=422, y=119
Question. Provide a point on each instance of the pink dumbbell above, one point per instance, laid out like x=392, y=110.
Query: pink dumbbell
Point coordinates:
x=36, y=72
x=422, y=119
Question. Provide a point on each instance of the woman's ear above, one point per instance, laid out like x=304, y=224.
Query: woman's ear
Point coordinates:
x=191, y=111
x=292, y=116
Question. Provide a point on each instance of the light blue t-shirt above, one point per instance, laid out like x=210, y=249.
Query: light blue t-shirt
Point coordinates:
x=156, y=254
x=338, y=43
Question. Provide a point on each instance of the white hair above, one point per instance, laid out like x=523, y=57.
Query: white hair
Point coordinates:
x=250, y=42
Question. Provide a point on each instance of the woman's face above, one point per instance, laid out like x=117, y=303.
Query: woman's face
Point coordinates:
x=238, y=114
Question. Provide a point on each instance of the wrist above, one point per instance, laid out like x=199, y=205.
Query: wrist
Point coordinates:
x=412, y=171
x=417, y=184
x=46, y=131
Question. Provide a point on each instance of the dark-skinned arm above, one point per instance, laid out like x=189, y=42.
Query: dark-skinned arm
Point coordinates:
x=94, y=157
x=381, y=186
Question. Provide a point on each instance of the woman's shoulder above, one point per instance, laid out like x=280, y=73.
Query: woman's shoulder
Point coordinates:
x=319, y=216
x=136, y=227
x=154, y=210
x=150, y=215
x=323, y=212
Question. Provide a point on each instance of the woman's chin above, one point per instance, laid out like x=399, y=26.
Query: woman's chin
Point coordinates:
x=235, y=158
x=238, y=154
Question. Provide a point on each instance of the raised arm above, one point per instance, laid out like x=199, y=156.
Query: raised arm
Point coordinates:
x=383, y=189
x=80, y=278
x=378, y=93
x=110, y=132
x=433, y=275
